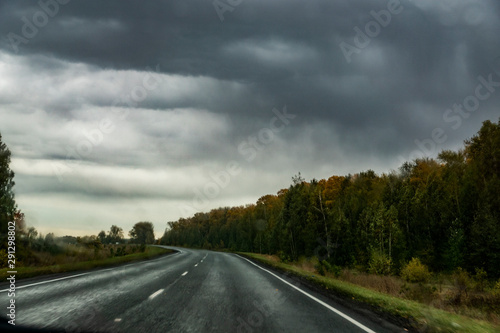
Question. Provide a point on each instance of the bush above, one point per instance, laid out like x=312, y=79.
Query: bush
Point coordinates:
x=418, y=292
x=462, y=283
x=481, y=279
x=320, y=268
x=336, y=270
x=415, y=272
x=380, y=264
x=496, y=289
x=324, y=266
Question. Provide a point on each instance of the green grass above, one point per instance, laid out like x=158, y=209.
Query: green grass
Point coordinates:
x=26, y=272
x=419, y=317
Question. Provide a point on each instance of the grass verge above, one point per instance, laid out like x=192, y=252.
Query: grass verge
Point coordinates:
x=414, y=316
x=27, y=272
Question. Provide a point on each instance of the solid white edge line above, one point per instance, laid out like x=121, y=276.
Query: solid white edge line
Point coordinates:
x=184, y=273
x=363, y=327
x=48, y=281
x=156, y=293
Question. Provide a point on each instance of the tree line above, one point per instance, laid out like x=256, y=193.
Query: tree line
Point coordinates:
x=444, y=211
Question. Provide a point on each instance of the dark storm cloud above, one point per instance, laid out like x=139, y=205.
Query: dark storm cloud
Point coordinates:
x=220, y=81
x=282, y=49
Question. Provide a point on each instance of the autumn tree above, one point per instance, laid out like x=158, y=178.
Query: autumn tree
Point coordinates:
x=444, y=211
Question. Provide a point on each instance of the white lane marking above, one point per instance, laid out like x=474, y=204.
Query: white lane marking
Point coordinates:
x=156, y=293
x=96, y=271
x=184, y=273
x=117, y=320
x=195, y=265
x=48, y=281
x=331, y=308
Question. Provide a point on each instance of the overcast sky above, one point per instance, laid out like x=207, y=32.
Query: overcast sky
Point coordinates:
x=125, y=111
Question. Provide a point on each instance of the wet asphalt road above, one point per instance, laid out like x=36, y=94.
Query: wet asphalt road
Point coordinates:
x=189, y=291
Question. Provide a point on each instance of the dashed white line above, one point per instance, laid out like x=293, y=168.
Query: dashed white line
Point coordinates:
x=156, y=293
x=195, y=265
x=184, y=273
x=117, y=320
x=331, y=308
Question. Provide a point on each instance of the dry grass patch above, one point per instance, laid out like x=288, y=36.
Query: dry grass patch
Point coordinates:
x=390, y=285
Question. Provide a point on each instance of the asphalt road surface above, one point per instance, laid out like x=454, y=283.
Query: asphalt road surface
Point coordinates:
x=189, y=291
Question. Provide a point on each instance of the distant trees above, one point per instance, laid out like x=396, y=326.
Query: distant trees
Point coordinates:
x=115, y=234
x=102, y=236
x=444, y=211
x=143, y=233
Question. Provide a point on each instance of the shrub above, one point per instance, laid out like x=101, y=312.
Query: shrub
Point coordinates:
x=324, y=266
x=481, y=279
x=380, y=264
x=336, y=270
x=415, y=272
x=461, y=285
x=320, y=268
x=418, y=292
x=496, y=288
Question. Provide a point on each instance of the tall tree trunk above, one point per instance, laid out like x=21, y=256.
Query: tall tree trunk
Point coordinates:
x=328, y=240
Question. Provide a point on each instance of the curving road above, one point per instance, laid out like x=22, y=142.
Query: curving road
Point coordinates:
x=190, y=291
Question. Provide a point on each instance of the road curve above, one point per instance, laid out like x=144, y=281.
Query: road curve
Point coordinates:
x=190, y=291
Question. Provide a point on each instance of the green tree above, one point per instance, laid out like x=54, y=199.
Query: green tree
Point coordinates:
x=102, y=236
x=7, y=202
x=115, y=234
x=143, y=233
x=483, y=187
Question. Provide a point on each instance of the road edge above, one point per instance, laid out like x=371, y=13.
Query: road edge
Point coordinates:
x=373, y=313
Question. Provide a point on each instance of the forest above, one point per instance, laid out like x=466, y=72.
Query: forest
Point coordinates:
x=445, y=211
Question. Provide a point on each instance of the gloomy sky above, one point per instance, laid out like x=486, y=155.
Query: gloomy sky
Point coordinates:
x=125, y=111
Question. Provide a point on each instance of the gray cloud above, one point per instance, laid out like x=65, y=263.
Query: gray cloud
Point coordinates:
x=214, y=86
